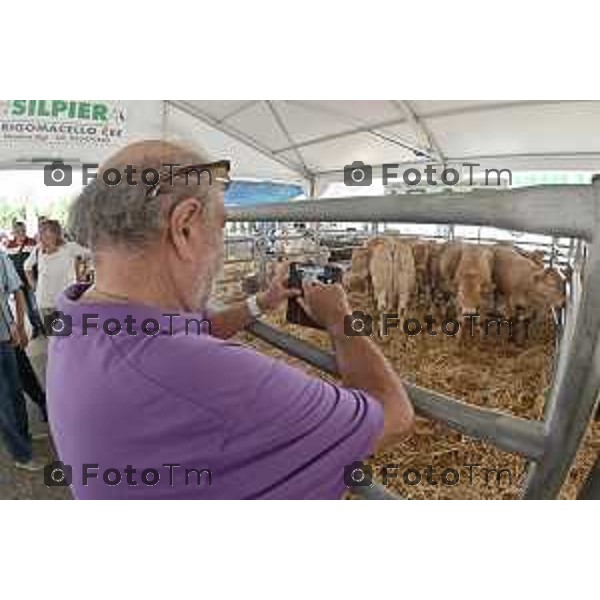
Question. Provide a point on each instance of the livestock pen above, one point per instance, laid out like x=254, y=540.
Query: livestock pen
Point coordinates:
x=549, y=444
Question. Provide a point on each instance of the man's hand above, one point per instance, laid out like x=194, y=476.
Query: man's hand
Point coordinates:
x=277, y=292
x=325, y=304
x=18, y=336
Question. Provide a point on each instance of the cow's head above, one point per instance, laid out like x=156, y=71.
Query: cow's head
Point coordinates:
x=472, y=293
x=548, y=288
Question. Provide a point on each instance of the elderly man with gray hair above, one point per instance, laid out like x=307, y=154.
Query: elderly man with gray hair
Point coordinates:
x=145, y=401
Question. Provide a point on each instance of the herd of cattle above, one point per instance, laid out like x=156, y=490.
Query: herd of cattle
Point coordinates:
x=455, y=278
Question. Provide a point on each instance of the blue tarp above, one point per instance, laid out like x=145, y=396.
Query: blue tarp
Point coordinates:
x=242, y=193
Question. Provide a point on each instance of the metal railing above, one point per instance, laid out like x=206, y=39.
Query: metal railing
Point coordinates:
x=561, y=211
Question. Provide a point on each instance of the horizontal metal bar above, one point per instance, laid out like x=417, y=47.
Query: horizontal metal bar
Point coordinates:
x=559, y=210
x=507, y=432
x=237, y=261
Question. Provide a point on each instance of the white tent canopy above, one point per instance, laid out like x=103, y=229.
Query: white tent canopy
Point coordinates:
x=317, y=138
x=312, y=141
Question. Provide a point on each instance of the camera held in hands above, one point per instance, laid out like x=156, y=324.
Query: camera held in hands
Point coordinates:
x=300, y=272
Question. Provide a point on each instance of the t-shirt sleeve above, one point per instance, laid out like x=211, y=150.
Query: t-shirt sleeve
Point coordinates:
x=308, y=429
x=285, y=433
x=32, y=259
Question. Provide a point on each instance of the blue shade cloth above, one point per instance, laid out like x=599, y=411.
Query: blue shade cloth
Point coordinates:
x=244, y=193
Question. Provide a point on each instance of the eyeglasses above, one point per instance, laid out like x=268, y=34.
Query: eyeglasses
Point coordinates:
x=217, y=172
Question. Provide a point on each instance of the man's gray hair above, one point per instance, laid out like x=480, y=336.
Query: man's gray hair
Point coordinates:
x=121, y=214
x=125, y=214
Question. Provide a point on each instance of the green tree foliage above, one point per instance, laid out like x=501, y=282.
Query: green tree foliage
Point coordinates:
x=15, y=209
x=10, y=212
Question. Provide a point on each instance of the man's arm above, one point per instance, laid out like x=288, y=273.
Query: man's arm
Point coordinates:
x=229, y=321
x=13, y=286
x=234, y=318
x=20, y=308
x=20, y=333
x=80, y=256
x=363, y=366
x=79, y=266
x=28, y=266
x=360, y=362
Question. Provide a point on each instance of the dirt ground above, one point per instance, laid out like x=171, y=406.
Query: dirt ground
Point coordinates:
x=16, y=484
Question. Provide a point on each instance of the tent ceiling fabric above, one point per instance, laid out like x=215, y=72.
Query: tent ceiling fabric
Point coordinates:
x=302, y=139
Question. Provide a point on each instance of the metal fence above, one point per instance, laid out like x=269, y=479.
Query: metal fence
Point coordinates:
x=570, y=211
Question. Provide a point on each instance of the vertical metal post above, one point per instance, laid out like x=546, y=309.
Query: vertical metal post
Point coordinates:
x=577, y=382
x=553, y=251
x=571, y=252
x=312, y=188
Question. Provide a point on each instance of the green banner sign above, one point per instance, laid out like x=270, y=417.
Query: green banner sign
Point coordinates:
x=59, y=122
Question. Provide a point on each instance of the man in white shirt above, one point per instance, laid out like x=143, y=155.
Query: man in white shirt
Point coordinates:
x=58, y=264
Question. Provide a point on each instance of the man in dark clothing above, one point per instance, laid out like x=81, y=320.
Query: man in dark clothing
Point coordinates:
x=14, y=424
x=18, y=249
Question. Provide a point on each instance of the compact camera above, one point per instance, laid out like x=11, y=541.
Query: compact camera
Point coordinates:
x=300, y=272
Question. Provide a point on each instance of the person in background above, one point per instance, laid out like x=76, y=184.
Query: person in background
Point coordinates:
x=40, y=221
x=58, y=264
x=19, y=248
x=14, y=424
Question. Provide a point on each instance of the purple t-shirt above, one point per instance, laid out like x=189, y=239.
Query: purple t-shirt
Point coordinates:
x=185, y=415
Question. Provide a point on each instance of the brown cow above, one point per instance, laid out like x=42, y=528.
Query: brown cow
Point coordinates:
x=473, y=279
x=437, y=295
x=524, y=286
x=421, y=250
x=356, y=279
x=446, y=264
x=405, y=275
x=538, y=256
x=381, y=271
x=464, y=277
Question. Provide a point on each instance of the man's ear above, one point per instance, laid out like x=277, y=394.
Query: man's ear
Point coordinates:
x=182, y=224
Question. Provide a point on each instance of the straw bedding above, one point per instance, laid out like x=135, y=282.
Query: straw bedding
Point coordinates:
x=493, y=372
